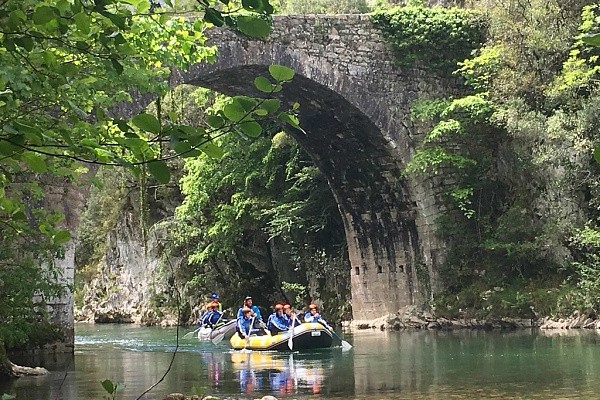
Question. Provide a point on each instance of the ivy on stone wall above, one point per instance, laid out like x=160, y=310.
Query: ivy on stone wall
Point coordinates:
x=435, y=37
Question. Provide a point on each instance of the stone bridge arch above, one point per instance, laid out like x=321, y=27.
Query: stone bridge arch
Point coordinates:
x=354, y=106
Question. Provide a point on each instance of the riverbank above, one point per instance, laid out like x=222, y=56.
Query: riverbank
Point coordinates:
x=412, y=318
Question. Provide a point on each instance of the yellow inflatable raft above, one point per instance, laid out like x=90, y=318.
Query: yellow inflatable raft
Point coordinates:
x=306, y=336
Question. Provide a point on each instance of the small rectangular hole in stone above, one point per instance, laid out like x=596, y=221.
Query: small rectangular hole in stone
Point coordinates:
x=379, y=269
x=357, y=270
x=401, y=268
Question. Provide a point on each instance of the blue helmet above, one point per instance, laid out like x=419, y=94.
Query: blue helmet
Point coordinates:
x=214, y=296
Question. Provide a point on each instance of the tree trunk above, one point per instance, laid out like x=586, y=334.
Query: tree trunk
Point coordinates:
x=6, y=369
x=9, y=370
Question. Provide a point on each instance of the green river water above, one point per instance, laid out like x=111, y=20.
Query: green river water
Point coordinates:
x=382, y=365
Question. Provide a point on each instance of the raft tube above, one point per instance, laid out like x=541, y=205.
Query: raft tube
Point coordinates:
x=307, y=336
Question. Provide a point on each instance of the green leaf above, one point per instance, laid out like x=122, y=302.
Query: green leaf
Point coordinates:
x=146, y=122
x=215, y=121
x=61, y=237
x=592, y=40
x=253, y=26
x=160, y=171
x=261, y=112
x=108, y=386
x=597, y=154
x=251, y=128
x=290, y=119
x=212, y=150
x=6, y=396
x=214, y=17
x=82, y=21
x=263, y=84
x=281, y=73
x=247, y=103
x=25, y=42
x=271, y=105
x=234, y=112
x=35, y=162
x=43, y=15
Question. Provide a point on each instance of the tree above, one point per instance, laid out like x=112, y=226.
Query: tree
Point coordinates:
x=64, y=65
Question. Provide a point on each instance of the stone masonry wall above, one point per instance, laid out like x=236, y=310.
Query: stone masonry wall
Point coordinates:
x=354, y=111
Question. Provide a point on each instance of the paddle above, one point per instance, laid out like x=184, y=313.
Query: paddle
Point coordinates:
x=248, y=335
x=187, y=335
x=291, y=339
x=345, y=345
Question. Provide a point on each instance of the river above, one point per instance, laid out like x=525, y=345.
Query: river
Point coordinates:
x=384, y=365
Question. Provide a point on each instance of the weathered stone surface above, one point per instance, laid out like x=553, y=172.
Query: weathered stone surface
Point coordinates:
x=355, y=103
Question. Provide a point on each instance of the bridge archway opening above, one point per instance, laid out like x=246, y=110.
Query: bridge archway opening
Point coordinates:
x=364, y=177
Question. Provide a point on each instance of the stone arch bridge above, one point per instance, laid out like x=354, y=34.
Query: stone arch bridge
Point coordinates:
x=354, y=106
x=354, y=110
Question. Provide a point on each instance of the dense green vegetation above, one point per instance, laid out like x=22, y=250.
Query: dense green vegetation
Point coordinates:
x=524, y=219
x=63, y=66
x=434, y=38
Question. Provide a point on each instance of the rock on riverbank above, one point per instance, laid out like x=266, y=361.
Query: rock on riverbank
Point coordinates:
x=411, y=317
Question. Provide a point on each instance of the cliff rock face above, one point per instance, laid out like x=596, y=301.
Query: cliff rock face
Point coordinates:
x=128, y=278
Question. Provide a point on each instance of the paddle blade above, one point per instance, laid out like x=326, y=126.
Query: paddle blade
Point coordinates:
x=189, y=334
x=346, y=345
x=291, y=339
x=217, y=339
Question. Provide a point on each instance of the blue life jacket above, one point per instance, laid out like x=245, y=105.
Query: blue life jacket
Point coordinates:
x=243, y=325
x=308, y=317
x=213, y=318
x=240, y=313
x=281, y=323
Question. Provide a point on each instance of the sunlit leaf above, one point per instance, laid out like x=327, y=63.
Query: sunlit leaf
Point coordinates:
x=281, y=73
x=290, y=119
x=212, y=150
x=263, y=84
x=82, y=21
x=234, y=112
x=146, y=122
x=251, y=128
x=597, y=154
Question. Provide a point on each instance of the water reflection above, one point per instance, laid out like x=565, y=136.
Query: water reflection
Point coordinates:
x=271, y=372
x=383, y=365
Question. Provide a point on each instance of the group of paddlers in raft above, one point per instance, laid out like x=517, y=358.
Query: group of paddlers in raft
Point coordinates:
x=250, y=321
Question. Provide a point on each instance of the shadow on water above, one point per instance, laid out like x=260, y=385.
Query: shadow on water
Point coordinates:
x=385, y=365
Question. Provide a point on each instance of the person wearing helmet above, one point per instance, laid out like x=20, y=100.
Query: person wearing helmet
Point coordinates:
x=244, y=328
x=277, y=321
x=214, y=297
x=312, y=315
